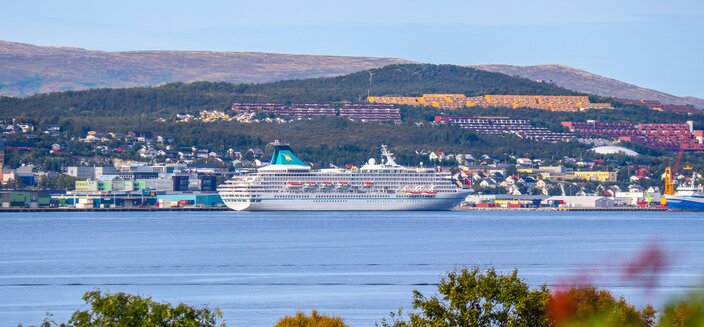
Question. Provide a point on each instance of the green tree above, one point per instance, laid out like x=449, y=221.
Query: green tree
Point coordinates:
x=15, y=184
x=125, y=310
x=684, y=312
x=314, y=320
x=468, y=297
x=43, y=183
x=65, y=182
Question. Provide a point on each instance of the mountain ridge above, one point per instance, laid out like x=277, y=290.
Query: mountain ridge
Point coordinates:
x=28, y=69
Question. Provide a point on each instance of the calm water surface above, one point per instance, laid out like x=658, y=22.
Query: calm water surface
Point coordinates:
x=258, y=267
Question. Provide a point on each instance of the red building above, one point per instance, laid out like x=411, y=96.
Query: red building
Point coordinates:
x=371, y=112
x=658, y=136
x=504, y=125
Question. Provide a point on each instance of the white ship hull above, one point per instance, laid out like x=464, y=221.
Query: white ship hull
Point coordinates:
x=289, y=184
x=325, y=203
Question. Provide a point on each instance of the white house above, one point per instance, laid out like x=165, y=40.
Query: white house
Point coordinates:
x=488, y=183
x=435, y=155
x=524, y=161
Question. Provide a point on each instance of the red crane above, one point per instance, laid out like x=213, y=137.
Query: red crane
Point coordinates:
x=678, y=160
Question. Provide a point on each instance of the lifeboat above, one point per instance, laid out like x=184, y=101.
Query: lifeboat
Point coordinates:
x=343, y=184
x=367, y=183
x=311, y=184
x=421, y=192
x=294, y=184
x=326, y=184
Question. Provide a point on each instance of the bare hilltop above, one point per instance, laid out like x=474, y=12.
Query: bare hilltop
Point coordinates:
x=28, y=69
x=584, y=81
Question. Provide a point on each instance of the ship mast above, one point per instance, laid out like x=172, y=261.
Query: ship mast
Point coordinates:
x=389, y=156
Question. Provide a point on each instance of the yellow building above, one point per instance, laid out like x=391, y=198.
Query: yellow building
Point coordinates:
x=455, y=101
x=601, y=176
x=405, y=101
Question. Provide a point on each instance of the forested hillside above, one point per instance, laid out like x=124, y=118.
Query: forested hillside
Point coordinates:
x=321, y=140
x=411, y=79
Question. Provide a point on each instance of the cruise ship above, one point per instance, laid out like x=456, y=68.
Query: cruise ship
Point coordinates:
x=688, y=197
x=288, y=183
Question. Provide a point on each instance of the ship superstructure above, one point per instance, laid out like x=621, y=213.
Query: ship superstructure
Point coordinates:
x=288, y=183
x=689, y=196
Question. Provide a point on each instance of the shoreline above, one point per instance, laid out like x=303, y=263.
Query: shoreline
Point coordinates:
x=69, y=209
x=561, y=209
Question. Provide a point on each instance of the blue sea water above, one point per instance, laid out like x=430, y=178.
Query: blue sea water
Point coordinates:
x=259, y=266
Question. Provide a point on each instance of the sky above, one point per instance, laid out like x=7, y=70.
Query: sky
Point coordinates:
x=651, y=43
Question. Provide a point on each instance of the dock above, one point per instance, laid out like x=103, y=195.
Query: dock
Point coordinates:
x=115, y=209
x=559, y=209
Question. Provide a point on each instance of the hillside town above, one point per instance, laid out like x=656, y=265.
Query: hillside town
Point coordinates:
x=139, y=169
x=167, y=176
x=522, y=182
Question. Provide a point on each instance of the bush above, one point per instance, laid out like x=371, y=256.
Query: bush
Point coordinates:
x=585, y=305
x=125, y=310
x=314, y=320
x=685, y=312
x=469, y=297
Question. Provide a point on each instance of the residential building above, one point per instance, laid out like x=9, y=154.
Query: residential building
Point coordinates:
x=269, y=108
x=600, y=176
x=371, y=112
x=90, y=172
x=455, y=101
x=504, y=125
x=671, y=136
x=311, y=109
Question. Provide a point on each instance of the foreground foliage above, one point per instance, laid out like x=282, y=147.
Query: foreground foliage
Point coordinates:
x=468, y=297
x=315, y=319
x=588, y=306
x=125, y=310
x=684, y=312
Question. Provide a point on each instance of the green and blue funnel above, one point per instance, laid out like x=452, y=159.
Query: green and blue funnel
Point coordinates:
x=284, y=156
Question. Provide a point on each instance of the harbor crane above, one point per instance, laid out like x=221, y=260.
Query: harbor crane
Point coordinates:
x=669, y=175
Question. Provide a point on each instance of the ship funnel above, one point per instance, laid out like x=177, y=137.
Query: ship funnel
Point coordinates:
x=284, y=156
